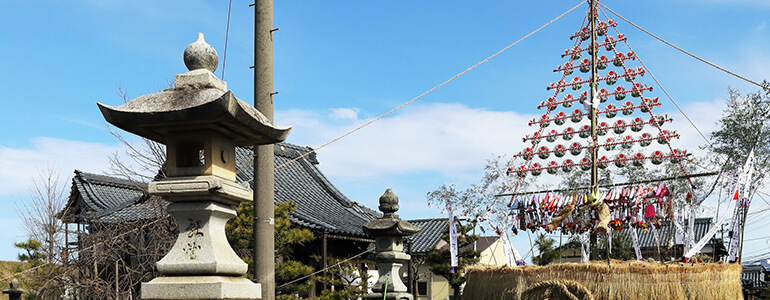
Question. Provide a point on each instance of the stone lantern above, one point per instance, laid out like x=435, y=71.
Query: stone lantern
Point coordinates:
x=14, y=292
x=388, y=232
x=201, y=123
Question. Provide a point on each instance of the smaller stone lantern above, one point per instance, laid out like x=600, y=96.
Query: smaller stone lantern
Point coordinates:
x=201, y=123
x=14, y=292
x=388, y=232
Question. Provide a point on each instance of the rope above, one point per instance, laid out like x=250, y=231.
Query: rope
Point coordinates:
x=227, y=35
x=662, y=88
x=433, y=89
x=684, y=51
x=324, y=269
x=557, y=289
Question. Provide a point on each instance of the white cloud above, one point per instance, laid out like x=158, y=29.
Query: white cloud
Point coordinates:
x=18, y=166
x=432, y=137
x=344, y=113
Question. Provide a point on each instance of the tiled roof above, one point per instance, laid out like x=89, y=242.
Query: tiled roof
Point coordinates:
x=756, y=275
x=428, y=236
x=667, y=232
x=320, y=205
x=431, y=233
x=96, y=196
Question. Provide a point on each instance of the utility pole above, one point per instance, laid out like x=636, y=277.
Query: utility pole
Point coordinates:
x=264, y=168
x=593, y=147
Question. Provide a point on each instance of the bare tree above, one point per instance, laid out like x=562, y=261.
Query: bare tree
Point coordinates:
x=147, y=159
x=39, y=212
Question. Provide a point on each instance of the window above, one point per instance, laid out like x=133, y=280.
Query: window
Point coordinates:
x=422, y=288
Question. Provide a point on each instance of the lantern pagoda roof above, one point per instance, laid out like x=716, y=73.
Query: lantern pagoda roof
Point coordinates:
x=199, y=101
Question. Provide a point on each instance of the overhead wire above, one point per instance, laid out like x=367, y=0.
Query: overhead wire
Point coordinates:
x=227, y=35
x=664, y=89
x=434, y=88
x=684, y=51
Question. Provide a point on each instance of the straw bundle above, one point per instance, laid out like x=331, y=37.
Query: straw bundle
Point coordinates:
x=619, y=280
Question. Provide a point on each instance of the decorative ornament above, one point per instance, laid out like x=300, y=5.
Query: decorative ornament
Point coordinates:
x=559, y=150
x=602, y=63
x=585, y=131
x=576, y=83
x=602, y=128
x=576, y=148
x=638, y=159
x=543, y=152
x=568, y=133
x=645, y=139
x=585, y=65
x=619, y=58
x=602, y=162
x=577, y=116
x=611, y=111
x=628, y=108
x=627, y=142
x=611, y=78
x=637, y=124
x=676, y=154
x=657, y=157
x=620, y=160
x=620, y=93
x=585, y=164
x=552, y=167
x=603, y=95
x=536, y=171
x=551, y=137
x=567, y=165
x=609, y=144
x=559, y=119
x=620, y=126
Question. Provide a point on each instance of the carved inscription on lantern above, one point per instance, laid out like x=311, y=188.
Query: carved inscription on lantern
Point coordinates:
x=194, y=234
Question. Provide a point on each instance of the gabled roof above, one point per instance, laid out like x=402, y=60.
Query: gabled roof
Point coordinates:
x=428, y=236
x=94, y=196
x=321, y=206
x=431, y=233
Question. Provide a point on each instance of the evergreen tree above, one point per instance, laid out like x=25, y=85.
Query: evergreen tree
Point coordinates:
x=34, y=255
x=439, y=260
x=547, y=252
x=239, y=233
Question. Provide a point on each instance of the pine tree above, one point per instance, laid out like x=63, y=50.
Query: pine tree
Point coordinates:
x=438, y=260
x=239, y=233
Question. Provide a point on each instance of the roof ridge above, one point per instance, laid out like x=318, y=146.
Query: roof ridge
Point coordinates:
x=110, y=180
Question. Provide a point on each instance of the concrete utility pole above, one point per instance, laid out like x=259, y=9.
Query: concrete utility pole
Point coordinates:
x=264, y=168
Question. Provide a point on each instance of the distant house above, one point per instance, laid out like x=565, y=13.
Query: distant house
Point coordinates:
x=336, y=221
x=429, y=286
x=755, y=277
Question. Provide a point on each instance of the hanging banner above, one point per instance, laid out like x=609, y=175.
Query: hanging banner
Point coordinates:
x=452, y=241
x=635, y=243
x=706, y=238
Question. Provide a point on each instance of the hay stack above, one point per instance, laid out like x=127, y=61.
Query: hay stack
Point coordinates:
x=619, y=280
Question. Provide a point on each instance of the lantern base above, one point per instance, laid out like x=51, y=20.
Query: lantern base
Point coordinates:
x=201, y=287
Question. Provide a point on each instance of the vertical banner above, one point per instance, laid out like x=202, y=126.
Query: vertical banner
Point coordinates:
x=452, y=240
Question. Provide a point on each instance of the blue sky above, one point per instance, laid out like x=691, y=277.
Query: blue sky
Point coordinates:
x=337, y=65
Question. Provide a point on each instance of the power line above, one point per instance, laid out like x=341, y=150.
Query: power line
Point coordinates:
x=227, y=35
